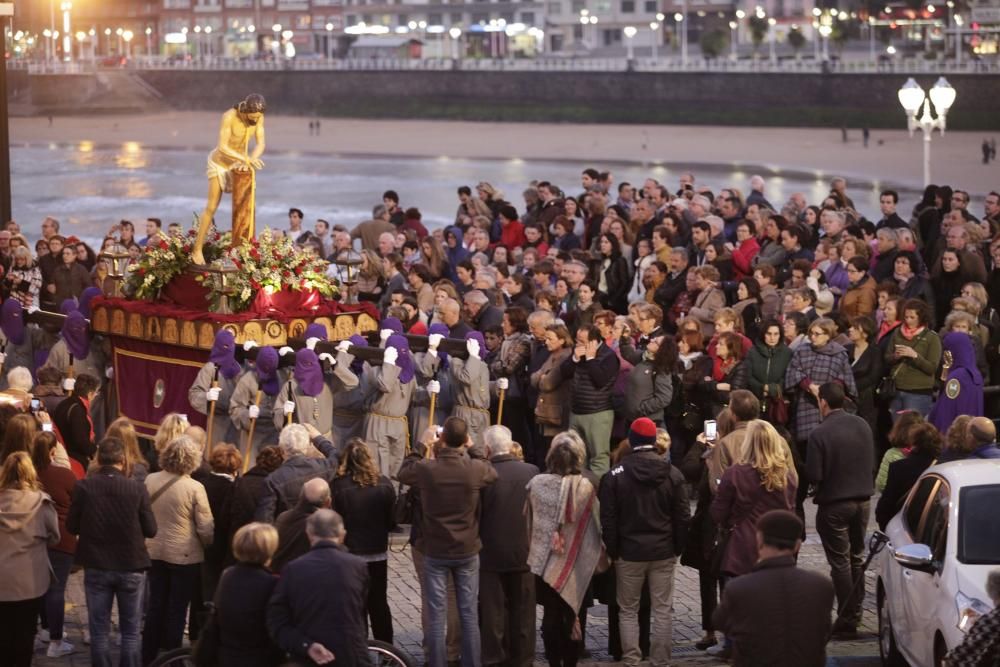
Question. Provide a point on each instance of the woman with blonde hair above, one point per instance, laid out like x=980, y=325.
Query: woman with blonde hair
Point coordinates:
x=371, y=277
x=136, y=465
x=763, y=480
x=171, y=427
x=184, y=528
x=365, y=499
x=30, y=526
x=24, y=279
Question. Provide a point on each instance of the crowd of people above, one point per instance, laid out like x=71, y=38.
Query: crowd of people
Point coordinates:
x=647, y=378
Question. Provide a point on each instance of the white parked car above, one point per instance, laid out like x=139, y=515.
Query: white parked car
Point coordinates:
x=932, y=575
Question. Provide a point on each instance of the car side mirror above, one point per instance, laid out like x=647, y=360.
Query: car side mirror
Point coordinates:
x=916, y=557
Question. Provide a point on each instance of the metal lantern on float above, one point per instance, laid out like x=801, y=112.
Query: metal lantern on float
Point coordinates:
x=349, y=263
x=116, y=258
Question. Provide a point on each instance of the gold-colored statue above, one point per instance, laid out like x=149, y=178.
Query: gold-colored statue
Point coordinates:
x=232, y=155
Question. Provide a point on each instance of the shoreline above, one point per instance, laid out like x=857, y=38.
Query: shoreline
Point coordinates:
x=809, y=152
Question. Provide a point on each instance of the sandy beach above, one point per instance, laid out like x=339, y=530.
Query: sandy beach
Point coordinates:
x=892, y=158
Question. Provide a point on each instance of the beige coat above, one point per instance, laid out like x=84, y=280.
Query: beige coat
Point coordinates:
x=184, y=520
x=28, y=525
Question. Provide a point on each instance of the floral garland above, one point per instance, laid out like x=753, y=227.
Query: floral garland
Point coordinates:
x=166, y=257
x=271, y=263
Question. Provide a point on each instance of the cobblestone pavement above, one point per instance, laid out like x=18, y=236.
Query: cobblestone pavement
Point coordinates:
x=404, y=596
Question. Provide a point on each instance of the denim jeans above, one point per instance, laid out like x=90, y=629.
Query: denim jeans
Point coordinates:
x=465, y=572
x=54, y=604
x=842, y=527
x=904, y=400
x=170, y=589
x=102, y=587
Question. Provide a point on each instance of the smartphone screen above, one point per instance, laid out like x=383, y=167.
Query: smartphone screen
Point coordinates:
x=46, y=426
x=710, y=429
x=34, y=405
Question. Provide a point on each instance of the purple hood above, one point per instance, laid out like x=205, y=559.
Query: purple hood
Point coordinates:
x=308, y=372
x=69, y=306
x=358, y=365
x=85, y=299
x=77, y=335
x=267, y=370
x=12, y=321
x=405, y=359
x=223, y=354
x=315, y=331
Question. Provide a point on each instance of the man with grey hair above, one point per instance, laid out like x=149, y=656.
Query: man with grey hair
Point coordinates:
x=291, y=524
x=481, y=314
x=538, y=322
x=283, y=486
x=506, y=585
x=833, y=223
x=756, y=195
x=318, y=609
x=885, y=259
x=370, y=230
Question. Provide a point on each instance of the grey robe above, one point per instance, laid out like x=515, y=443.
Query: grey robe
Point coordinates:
x=427, y=368
x=470, y=386
x=245, y=395
x=349, y=405
x=314, y=410
x=222, y=428
x=386, y=427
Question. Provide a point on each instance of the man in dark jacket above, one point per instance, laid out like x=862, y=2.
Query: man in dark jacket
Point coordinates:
x=318, y=609
x=113, y=516
x=506, y=586
x=291, y=524
x=284, y=485
x=594, y=369
x=777, y=615
x=482, y=315
x=72, y=418
x=644, y=518
x=673, y=285
x=839, y=462
x=449, y=483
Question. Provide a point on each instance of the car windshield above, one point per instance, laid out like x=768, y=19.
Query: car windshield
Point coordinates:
x=978, y=528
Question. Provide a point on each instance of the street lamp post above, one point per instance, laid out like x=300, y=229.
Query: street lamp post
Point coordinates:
x=871, y=38
x=912, y=97
x=732, y=40
x=771, y=39
x=654, y=29
x=127, y=36
x=67, y=35
x=629, y=31
x=455, y=33
x=958, y=38
x=149, y=41
x=682, y=28
x=684, y=32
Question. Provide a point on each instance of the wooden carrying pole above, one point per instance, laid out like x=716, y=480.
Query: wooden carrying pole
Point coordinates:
x=211, y=416
x=248, y=447
x=433, y=405
x=503, y=393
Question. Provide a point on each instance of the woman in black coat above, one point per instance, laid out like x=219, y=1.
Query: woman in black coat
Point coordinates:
x=866, y=364
x=247, y=490
x=610, y=273
x=925, y=440
x=241, y=601
x=366, y=501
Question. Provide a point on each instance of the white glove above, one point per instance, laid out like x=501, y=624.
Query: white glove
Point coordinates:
x=32, y=309
x=285, y=350
x=254, y=412
x=472, y=345
x=385, y=333
x=110, y=373
x=431, y=351
x=434, y=340
x=213, y=394
x=328, y=357
x=344, y=346
x=390, y=355
x=3, y=357
x=69, y=384
x=434, y=387
x=249, y=345
x=289, y=407
x=311, y=343
x=503, y=383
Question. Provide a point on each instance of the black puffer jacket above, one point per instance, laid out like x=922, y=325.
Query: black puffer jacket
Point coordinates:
x=367, y=511
x=593, y=380
x=617, y=276
x=644, y=509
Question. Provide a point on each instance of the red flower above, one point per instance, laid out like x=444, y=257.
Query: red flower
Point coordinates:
x=298, y=270
x=142, y=271
x=163, y=245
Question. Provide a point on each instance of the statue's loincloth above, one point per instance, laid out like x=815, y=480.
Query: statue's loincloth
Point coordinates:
x=221, y=171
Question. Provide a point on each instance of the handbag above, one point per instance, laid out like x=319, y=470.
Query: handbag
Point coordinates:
x=722, y=536
x=778, y=409
x=405, y=509
x=887, y=387
x=691, y=419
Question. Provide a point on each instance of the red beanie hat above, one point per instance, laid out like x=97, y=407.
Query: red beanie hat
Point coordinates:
x=642, y=433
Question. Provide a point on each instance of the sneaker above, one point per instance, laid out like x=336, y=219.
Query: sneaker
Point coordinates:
x=86, y=636
x=706, y=642
x=720, y=651
x=40, y=644
x=59, y=648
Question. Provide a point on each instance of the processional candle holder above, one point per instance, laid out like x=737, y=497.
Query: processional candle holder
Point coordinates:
x=116, y=258
x=349, y=261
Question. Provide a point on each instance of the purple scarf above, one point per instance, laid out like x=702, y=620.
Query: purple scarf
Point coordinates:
x=358, y=365
x=85, y=299
x=478, y=337
x=440, y=328
x=223, y=354
x=404, y=360
x=315, y=330
x=12, y=321
x=308, y=373
x=77, y=335
x=267, y=370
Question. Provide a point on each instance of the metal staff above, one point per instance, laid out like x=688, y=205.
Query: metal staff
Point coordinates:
x=211, y=414
x=249, y=445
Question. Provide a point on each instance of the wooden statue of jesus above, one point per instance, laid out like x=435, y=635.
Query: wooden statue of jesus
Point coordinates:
x=232, y=168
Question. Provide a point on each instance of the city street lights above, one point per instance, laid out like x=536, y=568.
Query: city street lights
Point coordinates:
x=629, y=31
x=733, y=25
x=654, y=29
x=958, y=38
x=127, y=35
x=329, y=41
x=912, y=97
x=149, y=41
x=871, y=38
x=455, y=33
x=771, y=22
x=67, y=35
x=682, y=29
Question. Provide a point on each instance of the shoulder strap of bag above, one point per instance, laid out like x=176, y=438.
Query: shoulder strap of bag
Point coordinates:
x=163, y=489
